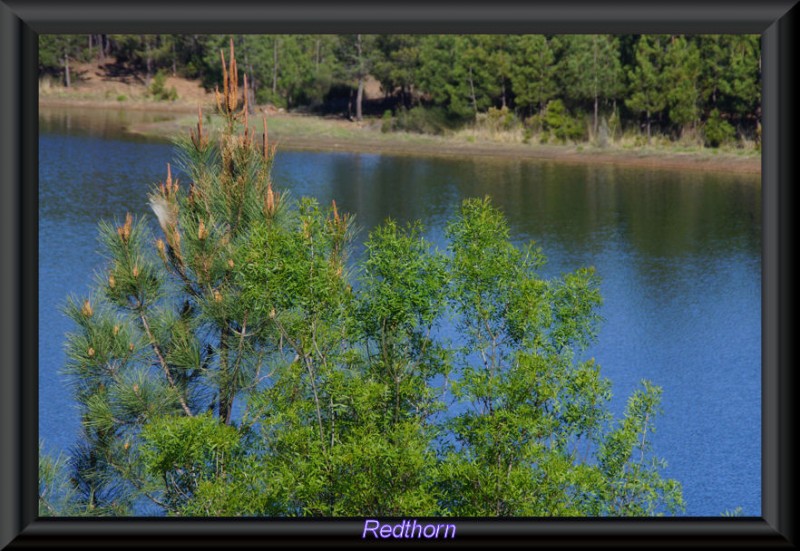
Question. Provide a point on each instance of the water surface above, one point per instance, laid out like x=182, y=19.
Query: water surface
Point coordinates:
x=679, y=254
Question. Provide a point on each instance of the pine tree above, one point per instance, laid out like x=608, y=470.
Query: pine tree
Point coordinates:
x=683, y=72
x=165, y=331
x=533, y=73
x=590, y=69
x=647, y=83
x=397, y=64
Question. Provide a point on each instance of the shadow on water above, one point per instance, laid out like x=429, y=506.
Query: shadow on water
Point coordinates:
x=108, y=124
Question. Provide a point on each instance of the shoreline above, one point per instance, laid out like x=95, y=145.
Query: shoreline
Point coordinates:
x=296, y=132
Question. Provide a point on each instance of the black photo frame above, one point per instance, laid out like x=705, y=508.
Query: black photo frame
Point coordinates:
x=21, y=22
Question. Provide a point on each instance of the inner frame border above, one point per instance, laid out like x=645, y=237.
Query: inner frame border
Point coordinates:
x=20, y=24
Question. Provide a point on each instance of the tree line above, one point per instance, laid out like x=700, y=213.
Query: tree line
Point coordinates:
x=571, y=86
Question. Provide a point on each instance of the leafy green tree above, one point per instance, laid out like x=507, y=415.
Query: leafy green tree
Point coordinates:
x=535, y=415
x=729, y=83
x=344, y=428
x=647, y=85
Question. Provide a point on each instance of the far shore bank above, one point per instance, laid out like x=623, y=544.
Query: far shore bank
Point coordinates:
x=313, y=133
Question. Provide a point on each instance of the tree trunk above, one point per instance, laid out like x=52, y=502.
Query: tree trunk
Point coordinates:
x=594, y=82
x=360, y=94
x=596, y=104
x=359, y=98
x=149, y=62
x=67, y=81
x=251, y=90
x=648, y=127
x=252, y=99
x=350, y=105
x=472, y=93
x=275, y=67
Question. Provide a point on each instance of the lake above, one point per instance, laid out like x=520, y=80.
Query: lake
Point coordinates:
x=679, y=254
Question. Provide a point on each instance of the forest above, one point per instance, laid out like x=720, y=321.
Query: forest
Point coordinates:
x=697, y=90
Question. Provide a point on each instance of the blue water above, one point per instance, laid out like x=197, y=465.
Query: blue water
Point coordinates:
x=679, y=254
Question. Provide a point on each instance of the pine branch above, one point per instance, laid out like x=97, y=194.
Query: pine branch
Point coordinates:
x=163, y=362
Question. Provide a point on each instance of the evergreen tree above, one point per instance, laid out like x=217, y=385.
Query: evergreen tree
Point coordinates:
x=682, y=71
x=166, y=332
x=533, y=73
x=499, y=49
x=745, y=69
x=56, y=52
x=357, y=53
x=590, y=69
x=397, y=64
x=437, y=56
x=647, y=85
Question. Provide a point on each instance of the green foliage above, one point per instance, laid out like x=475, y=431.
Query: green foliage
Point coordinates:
x=590, y=70
x=666, y=83
x=717, y=131
x=533, y=72
x=682, y=70
x=647, y=79
x=185, y=452
x=397, y=63
x=349, y=402
x=499, y=119
x=387, y=124
x=158, y=89
x=557, y=122
x=56, y=495
x=422, y=120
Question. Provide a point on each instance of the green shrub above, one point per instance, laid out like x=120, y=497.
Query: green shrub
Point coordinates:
x=717, y=131
x=563, y=126
x=387, y=124
x=527, y=135
x=265, y=95
x=158, y=89
x=422, y=120
x=500, y=119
